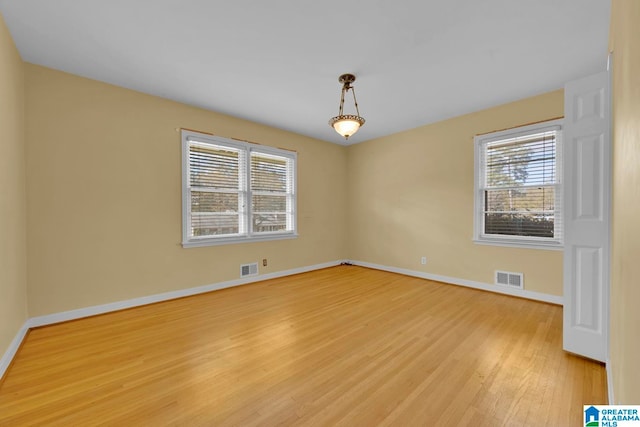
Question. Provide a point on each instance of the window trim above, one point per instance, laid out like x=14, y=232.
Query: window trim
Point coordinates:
x=188, y=136
x=529, y=242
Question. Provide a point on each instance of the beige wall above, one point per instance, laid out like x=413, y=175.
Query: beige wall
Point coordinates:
x=411, y=195
x=625, y=272
x=13, y=269
x=104, y=196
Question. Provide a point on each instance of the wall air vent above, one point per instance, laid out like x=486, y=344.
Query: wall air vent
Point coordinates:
x=513, y=280
x=249, y=269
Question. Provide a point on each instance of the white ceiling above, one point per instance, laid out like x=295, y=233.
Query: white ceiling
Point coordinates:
x=277, y=62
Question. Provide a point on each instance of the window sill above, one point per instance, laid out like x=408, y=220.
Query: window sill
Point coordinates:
x=524, y=244
x=197, y=243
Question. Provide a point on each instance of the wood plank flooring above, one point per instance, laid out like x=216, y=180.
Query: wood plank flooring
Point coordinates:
x=341, y=346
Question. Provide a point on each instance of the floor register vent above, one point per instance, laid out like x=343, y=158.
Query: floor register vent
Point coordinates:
x=506, y=278
x=249, y=269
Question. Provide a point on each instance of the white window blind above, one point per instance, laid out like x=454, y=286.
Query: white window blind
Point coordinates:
x=518, y=191
x=216, y=182
x=271, y=192
x=235, y=191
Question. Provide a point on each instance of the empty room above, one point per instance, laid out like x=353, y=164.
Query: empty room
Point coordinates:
x=319, y=213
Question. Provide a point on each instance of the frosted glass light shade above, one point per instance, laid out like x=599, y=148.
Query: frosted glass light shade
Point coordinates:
x=346, y=125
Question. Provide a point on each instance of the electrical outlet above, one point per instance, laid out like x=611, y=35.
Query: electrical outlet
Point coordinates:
x=264, y=262
x=423, y=260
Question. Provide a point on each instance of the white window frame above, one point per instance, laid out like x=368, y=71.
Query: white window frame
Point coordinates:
x=479, y=236
x=245, y=234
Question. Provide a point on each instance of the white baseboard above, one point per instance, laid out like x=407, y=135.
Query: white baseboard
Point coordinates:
x=612, y=400
x=65, y=316
x=8, y=355
x=538, y=296
x=136, y=302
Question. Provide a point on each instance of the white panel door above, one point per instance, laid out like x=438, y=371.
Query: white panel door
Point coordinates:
x=587, y=184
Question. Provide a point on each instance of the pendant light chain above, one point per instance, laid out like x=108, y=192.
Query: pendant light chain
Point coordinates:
x=355, y=101
x=341, y=109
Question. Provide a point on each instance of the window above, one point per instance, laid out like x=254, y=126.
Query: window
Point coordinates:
x=518, y=192
x=234, y=191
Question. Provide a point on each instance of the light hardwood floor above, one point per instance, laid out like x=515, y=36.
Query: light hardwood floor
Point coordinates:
x=341, y=346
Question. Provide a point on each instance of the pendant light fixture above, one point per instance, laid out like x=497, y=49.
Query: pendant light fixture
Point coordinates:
x=347, y=124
